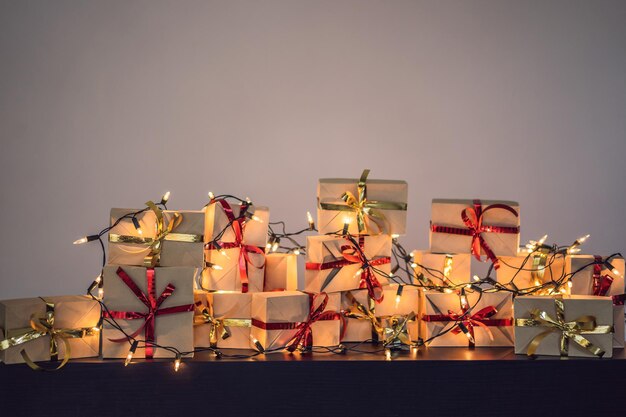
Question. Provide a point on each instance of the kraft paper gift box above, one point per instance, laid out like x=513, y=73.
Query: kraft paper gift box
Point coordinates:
x=450, y=234
x=489, y=320
x=328, y=269
x=182, y=246
x=70, y=312
x=281, y=272
x=132, y=293
x=361, y=321
x=439, y=268
x=529, y=270
x=249, y=241
x=406, y=305
x=595, y=312
x=227, y=325
x=273, y=311
x=385, y=206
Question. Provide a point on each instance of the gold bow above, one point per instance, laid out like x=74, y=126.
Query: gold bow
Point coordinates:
x=220, y=327
x=396, y=330
x=572, y=330
x=360, y=312
x=44, y=326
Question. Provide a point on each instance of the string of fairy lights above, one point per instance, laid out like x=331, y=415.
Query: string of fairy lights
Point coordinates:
x=405, y=272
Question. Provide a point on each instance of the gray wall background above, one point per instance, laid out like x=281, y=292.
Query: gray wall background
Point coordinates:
x=111, y=103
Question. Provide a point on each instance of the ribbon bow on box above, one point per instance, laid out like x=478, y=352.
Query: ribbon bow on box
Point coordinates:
x=396, y=332
x=220, y=326
x=602, y=283
x=360, y=312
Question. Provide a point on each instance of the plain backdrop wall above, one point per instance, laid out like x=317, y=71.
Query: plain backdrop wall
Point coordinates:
x=111, y=103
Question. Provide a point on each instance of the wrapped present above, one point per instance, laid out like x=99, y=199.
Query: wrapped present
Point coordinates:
x=151, y=304
x=157, y=237
x=398, y=315
x=576, y=325
x=467, y=319
x=528, y=270
x=49, y=329
x=281, y=272
x=489, y=228
x=443, y=269
x=347, y=263
x=237, y=254
x=222, y=320
x=361, y=321
x=371, y=206
x=294, y=319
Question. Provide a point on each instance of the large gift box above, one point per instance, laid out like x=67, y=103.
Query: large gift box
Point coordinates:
x=162, y=238
x=151, y=304
x=370, y=206
x=489, y=228
x=443, y=269
x=347, y=263
x=359, y=311
x=295, y=319
x=222, y=320
x=237, y=260
x=72, y=319
x=398, y=314
x=530, y=270
x=467, y=319
x=577, y=325
x=281, y=272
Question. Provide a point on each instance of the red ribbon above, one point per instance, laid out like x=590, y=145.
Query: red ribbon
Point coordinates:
x=238, y=227
x=602, y=283
x=473, y=219
x=153, y=304
x=352, y=256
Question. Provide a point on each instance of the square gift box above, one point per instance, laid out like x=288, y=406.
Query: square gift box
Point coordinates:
x=152, y=304
x=370, y=206
x=222, y=320
x=360, y=315
x=281, y=272
x=399, y=310
x=443, y=268
x=527, y=270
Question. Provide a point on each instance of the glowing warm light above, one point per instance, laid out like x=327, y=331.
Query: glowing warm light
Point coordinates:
x=81, y=241
x=476, y=278
x=413, y=265
x=448, y=291
x=165, y=197
x=464, y=303
x=309, y=218
x=211, y=196
x=569, y=284
x=296, y=251
x=615, y=271
x=275, y=246
x=131, y=352
x=257, y=218
x=268, y=246
x=224, y=254
x=177, y=363
x=387, y=354
x=257, y=344
x=395, y=236
x=100, y=293
x=543, y=239
x=216, y=267
x=98, y=279
x=398, y=299
x=248, y=200
x=581, y=240
x=358, y=272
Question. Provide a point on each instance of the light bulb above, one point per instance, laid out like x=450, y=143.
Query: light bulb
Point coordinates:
x=165, y=197
x=413, y=265
x=81, y=241
x=268, y=245
x=387, y=354
x=346, y=225
x=216, y=267
x=98, y=279
x=275, y=245
x=399, y=294
x=448, y=291
x=101, y=293
x=211, y=196
x=464, y=303
x=177, y=362
x=131, y=352
x=257, y=218
x=569, y=284
x=476, y=278
x=581, y=240
x=257, y=344
x=296, y=252
x=543, y=239
x=224, y=254
x=358, y=272
x=615, y=271
x=395, y=236
x=309, y=218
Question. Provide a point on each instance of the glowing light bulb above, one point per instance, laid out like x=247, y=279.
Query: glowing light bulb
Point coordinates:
x=398, y=299
x=346, y=225
x=615, y=271
x=309, y=218
x=464, y=303
x=581, y=240
x=216, y=267
x=399, y=295
x=101, y=293
x=80, y=241
x=95, y=329
x=563, y=291
x=358, y=272
x=177, y=362
x=275, y=245
x=448, y=291
x=224, y=254
x=543, y=239
x=257, y=344
x=165, y=197
x=268, y=245
x=98, y=279
x=413, y=265
x=395, y=236
x=131, y=352
x=257, y=218
x=296, y=251
x=387, y=354
x=476, y=278
x=569, y=284
x=211, y=196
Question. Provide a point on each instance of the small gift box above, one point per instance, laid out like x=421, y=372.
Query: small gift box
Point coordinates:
x=467, y=319
x=489, y=228
x=281, y=272
x=293, y=319
x=370, y=206
x=361, y=321
x=237, y=258
x=222, y=320
x=528, y=270
x=398, y=314
x=576, y=325
x=151, y=304
x=49, y=328
x=347, y=263
x=443, y=269
x=157, y=237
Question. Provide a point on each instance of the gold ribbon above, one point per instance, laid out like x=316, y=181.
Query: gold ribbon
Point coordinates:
x=360, y=312
x=396, y=330
x=365, y=209
x=572, y=330
x=44, y=326
x=220, y=327
x=539, y=268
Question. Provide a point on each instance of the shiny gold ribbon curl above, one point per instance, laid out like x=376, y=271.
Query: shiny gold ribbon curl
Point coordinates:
x=220, y=327
x=360, y=312
x=396, y=330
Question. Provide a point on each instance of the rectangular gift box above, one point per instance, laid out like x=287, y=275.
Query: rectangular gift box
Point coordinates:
x=360, y=316
x=405, y=305
x=287, y=309
x=70, y=312
x=490, y=316
x=447, y=215
x=328, y=269
x=183, y=246
x=380, y=220
x=575, y=308
x=281, y=272
x=228, y=326
x=173, y=320
x=441, y=268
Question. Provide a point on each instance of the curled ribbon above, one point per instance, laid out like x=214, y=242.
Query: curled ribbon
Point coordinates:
x=396, y=331
x=220, y=326
x=602, y=283
x=360, y=312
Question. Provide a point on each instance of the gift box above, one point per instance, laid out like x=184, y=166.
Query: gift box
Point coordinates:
x=361, y=321
x=489, y=228
x=162, y=238
x=292, y=319
x=530, y=270
x=398, y=314
x=237, y=260
x=72, y=319
x=222, y=320
x=151, y=304
x=336, y=264
x=467, y=319
x=443, y=269
x=577, y=325
x=281, y=272
x=370, y=206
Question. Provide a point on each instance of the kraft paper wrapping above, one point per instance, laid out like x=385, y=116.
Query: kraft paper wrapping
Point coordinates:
x=281, y=272
x=226, y=305
x=357, y=330
x=175, y=330
x=292, y=307
x=172, y=253
x=520, y=271
x=575, y=306
x=71, y=311
x=330, y=190
x=408, y=303
x=323, y=249
x=447, y=212
x=255, y=233
x=432, y=266
x=436, y=303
